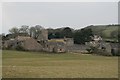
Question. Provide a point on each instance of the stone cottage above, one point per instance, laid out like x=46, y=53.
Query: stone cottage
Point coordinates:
x=103, y=47
x=55, y=45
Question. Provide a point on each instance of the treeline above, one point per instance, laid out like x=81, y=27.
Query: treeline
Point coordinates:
x=24, y=30
x=80, y=36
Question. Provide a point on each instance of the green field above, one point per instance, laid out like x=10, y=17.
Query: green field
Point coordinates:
x=18, y=64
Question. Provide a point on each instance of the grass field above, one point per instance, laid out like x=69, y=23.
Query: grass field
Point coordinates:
x=18, y=64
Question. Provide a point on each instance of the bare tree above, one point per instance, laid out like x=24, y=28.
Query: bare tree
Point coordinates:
x=24, y=29
x=35, y=31
x=38, y=29
x=14, y=30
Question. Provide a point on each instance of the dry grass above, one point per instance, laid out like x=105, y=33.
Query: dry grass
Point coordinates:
x=43, y=65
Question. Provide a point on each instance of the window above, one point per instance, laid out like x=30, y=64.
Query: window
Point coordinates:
x=60, y=49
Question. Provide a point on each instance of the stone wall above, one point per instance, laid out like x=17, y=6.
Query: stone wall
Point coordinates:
x=54, y=46
x=77, y=48
x=69, y=41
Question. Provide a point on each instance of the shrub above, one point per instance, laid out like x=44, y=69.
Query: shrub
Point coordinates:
x=19, y=48
x=89, y=50
x=92, y=49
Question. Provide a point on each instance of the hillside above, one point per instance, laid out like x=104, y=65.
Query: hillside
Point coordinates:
x=108, y=32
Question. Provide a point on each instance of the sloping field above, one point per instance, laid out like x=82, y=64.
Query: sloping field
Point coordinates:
x=18, y=64
x=106, y=31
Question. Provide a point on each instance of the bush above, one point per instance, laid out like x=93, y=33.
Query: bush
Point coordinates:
x=8, y=47
x=89, y=50
x=92, y=49
x=19, y=48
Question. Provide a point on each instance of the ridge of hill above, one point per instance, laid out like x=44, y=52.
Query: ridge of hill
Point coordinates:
x=107, y=32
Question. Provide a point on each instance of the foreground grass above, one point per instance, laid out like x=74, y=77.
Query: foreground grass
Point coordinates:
x=66, y=65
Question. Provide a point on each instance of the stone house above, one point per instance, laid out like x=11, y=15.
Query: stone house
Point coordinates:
x=103, y=47
x=97, y=38
x=57, y=46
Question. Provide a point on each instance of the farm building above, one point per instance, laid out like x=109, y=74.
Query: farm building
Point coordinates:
x=55, y=45
x=103, y=48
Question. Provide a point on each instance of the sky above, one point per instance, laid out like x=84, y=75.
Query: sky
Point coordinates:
x=58, y=14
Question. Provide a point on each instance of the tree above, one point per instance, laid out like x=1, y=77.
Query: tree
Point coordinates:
x=51, y=35
x=82, y=36
x=58, y=35
x=24, y=29
x=35, y=31
x=2, y=37
x=114, y=35
x=67, y=32
x=14, y=31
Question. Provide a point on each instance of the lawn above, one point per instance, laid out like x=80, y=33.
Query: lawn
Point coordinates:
x=18, y=64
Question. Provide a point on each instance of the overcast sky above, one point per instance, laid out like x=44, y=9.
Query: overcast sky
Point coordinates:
x=54, y=15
